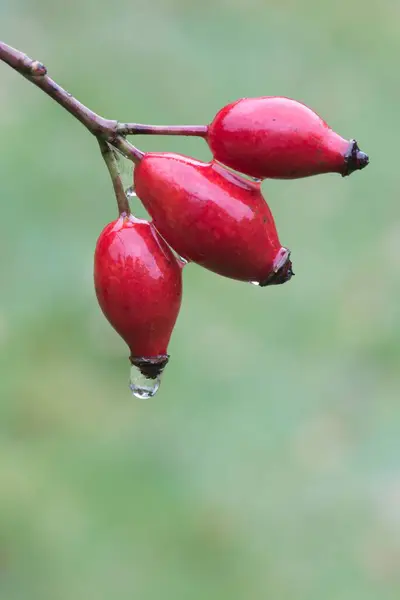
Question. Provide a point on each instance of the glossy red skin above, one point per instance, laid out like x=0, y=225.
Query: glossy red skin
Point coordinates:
x=138, y=284
x=275, y=137
x=209, y=215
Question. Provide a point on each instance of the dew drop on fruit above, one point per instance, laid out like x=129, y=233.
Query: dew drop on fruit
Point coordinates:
x=141, y=386
x=255, y=282
x=182, y=260
x=130, y=192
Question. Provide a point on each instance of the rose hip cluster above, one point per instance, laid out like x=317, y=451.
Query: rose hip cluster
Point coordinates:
x=210, y=215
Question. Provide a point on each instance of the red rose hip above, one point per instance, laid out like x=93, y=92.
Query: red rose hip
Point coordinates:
x=138, y=285
x=275, y=137
x=212, y=217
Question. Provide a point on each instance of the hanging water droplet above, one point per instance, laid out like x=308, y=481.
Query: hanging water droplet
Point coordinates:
x=141, y=386
x=255, y=282
x=130, y=192
x=184, y=261
x=256, y=179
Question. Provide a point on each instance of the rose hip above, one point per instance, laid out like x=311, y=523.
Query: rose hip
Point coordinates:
x=213, y=217
x=139, y=288
x=275, y=137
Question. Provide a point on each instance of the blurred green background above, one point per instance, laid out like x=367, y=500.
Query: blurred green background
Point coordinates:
x=268, y=465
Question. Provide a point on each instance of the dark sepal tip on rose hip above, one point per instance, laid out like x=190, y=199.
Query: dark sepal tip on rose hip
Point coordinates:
x=283, y=272
x=354, y=159
x=213, y=217
x=276, y=137
x=138, y=284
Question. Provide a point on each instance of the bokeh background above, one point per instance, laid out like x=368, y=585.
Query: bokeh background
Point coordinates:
x=268, y=465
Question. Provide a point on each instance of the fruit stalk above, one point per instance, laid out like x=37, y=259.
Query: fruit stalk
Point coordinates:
x=140, y=129
x=112, y=166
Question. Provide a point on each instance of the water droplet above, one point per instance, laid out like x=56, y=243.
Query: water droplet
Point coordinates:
x=256, y=179
x=184, y=261
x=255, y=282
x=141, y=386
x=130, y=192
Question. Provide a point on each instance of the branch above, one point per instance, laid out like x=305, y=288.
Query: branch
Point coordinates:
x=36, y=73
